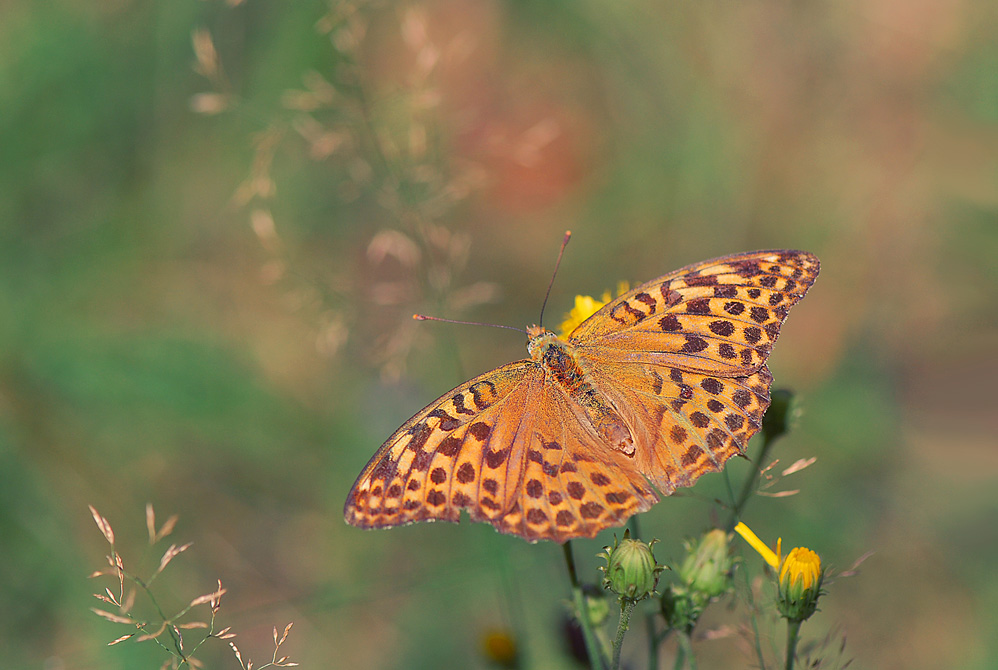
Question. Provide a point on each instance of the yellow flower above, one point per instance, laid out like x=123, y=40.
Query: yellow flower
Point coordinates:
x=800, y=584
x=500, y=648
x=800, y=575
x=767, y=554
x=801, y=569
x=585, y=307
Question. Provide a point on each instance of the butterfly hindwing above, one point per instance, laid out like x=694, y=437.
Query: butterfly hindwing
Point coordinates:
x=688, y=423
x=572, y=484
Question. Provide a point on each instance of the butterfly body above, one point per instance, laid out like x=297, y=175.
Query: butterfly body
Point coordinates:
x=660, y=386
x=566, y=370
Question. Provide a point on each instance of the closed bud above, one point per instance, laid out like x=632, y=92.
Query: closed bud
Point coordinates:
x=631, y=571
x=680, y=608
x=597, y=604
x=778, y=417
x=707, y=568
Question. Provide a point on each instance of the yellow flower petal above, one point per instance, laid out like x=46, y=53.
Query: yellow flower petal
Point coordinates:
x=801, y=568
x=585, y=307
x=767, y=554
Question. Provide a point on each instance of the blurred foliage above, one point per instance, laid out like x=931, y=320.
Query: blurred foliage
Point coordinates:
x=211, y=311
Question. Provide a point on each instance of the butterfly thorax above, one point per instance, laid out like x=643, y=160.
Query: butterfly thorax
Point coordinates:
x=563, y=367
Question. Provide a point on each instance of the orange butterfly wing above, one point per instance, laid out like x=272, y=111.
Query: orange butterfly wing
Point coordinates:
x=682, y=358
x=508, y=448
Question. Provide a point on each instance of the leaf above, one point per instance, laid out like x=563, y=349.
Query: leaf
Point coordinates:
x=152, y=636
x=104, y=598
x=287, y=629
x=854, y=568
x=239, y=657
x=151, y=522
x=170, y=554
x=799, y=465
x=103, y=525
x=128, y=602
x=779, y=494
x=167, y=527
x=116, y=618
x=207, y=598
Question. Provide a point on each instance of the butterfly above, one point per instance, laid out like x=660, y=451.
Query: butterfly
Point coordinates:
x=661, y=385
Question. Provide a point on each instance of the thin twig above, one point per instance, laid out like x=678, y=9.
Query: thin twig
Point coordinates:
x=596, y=660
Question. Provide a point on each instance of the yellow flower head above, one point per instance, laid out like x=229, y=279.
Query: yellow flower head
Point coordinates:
x=801, y=570
x=585, y=307
x=500, y=648
x=800, y=575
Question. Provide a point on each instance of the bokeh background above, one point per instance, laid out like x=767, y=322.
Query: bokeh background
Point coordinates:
x=216, y=220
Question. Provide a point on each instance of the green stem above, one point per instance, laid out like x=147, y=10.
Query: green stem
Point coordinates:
x=749, y=488
x=684, y=655
x=750, y=598
x=596, y=660
x=632, y=524
x=626, y=607
x=653, y=641
x=793, y=634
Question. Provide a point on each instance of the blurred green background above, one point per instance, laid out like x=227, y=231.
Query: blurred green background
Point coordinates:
x=216, y=220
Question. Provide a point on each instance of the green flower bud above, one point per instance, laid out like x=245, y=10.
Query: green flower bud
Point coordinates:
x=597, y=604
x=800, y=584
x=631, y=571
x=707, y=568
x=778, y=417
x=680, y=608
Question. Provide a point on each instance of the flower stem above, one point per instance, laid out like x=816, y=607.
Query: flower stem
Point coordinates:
x=749, y=487
x=626, y=607
x=684, y=655
x=752, y=617
x=596, y=659
x=793, y=634
x=653, y=641
x=632, y=523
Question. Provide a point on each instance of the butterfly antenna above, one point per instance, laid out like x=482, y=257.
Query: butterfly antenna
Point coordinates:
x=561, y=252
x=423, y=317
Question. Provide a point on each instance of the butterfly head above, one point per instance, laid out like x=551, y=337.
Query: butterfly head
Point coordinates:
x=540, y=338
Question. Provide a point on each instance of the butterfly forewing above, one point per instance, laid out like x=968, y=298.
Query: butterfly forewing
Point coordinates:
x=433, y=465
x=508, y=449
x=718, y=317
x=683, y=357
